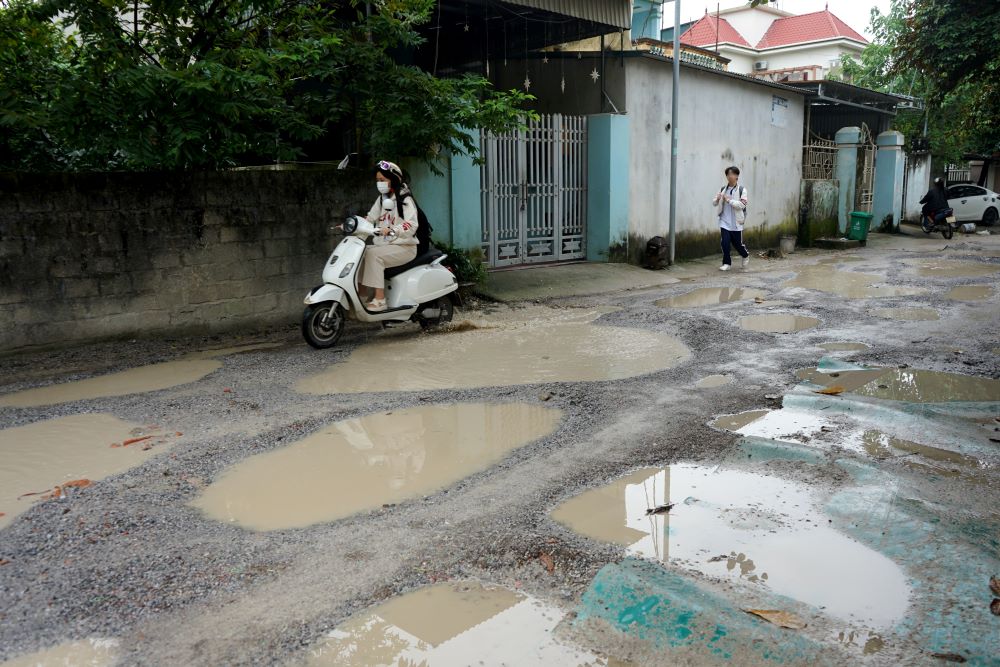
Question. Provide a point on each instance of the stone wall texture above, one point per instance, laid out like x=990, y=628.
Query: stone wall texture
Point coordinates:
x=95, y=256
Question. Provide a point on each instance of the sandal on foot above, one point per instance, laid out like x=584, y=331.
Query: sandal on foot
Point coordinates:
x=376, y=305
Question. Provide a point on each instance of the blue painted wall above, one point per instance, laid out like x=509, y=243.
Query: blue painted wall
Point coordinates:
x=887, y=195
x=608, y=185
x=646, y=17
x=848, y=140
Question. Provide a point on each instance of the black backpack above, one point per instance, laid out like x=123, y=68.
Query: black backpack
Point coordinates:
x=424, y=228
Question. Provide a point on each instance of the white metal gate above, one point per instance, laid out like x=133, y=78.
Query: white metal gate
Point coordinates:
x=866, y=163
x=534, y=192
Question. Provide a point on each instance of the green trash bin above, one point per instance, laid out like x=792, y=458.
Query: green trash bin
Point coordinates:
x=860, y=222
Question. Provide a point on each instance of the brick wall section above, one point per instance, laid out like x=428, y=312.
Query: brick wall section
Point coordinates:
x=94, y=256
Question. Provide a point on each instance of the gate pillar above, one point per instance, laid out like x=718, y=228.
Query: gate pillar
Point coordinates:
x=607, y=187
x=848, y=140
x=887, y=200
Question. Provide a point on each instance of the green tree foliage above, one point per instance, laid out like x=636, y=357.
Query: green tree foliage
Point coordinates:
x=207, y=84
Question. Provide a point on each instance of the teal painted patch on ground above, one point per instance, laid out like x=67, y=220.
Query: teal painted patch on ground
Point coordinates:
x=645, y=601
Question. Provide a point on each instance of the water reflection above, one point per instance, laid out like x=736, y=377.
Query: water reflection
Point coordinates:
x=363, y=463
x=743, y=525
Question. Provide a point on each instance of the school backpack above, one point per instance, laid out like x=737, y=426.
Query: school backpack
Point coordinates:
x=424, y=228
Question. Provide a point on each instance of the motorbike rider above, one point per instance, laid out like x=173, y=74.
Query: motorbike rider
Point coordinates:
x=395, y=241
x=935, y=204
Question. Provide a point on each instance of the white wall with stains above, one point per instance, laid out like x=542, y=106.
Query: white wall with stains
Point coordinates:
x=723, y=121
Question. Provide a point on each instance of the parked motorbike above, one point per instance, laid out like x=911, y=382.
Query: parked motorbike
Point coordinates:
x=943, y=221
x=421, y=291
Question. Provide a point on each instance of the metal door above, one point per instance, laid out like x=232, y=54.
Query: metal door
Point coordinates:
x=534, y=192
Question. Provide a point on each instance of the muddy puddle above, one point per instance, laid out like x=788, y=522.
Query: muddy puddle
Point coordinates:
x=970, y=293
x=907, y=314
x=454, y=623
x=84, y=653
x=912, y=385
x=847, y=284
x=153, y=377
x=711, y=296
x=712, y=381
x=844, y=347
x=365, y=463
x=40, y=457
x=786, y=425
x=540, y=345
x=133, y=381
x=954, y=269
x=756, y=528
x=777, y=323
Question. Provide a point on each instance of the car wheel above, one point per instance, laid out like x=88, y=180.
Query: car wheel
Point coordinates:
x=991, y=216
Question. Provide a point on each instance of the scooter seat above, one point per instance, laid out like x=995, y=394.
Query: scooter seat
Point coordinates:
x=426, y=258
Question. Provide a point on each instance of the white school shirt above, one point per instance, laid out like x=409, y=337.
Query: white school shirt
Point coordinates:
x=727, y=212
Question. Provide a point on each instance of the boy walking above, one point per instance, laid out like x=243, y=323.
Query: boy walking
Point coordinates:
x=732, y=203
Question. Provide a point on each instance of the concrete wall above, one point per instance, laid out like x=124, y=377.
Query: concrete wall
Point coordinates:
x=819, y=198
x=86, y=257
x=917, y=182
x=826, y=55
x=724, y=121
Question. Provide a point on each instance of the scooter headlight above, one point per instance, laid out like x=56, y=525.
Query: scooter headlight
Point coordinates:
x=350, y=225
x=347, y=269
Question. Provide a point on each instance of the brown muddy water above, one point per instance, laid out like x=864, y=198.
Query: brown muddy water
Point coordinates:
x=711, y=296
x=154, y=377
x=84, y=653
x=847, y=284
x=133, y=381
x=907, y=314
x=738, y=421
x=549, y=346
x=712, y=381
x=446, y=623
x=844, y=347
x=970, y=293
x=777, y=323
x=912, y=385
x=38, y=457
x=761, y=530
x=364, y=463
x=939, y=268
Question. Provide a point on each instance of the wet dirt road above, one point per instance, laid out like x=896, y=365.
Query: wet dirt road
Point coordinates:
x=585, y=481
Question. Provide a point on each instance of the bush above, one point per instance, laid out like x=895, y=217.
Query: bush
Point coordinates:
x=468, y=265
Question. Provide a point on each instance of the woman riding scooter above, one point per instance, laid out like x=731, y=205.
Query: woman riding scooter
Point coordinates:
x=395, y=217
x=935, y=206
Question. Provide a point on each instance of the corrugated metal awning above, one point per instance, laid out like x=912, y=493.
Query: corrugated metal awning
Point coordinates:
x=615, y=13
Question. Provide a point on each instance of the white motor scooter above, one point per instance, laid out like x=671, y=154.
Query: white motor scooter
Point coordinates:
x=421, y=290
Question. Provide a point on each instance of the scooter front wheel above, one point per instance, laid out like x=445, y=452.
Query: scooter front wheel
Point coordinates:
x=947, y=231
x=322, y=324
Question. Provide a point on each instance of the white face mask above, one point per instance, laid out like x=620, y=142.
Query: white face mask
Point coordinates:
x=383, y=186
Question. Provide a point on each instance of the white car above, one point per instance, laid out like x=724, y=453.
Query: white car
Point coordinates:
x=973, y=203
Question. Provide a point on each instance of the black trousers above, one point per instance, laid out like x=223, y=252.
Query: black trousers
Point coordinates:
x=734, y=239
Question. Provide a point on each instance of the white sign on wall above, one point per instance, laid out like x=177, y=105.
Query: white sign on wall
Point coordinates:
x=779, y=111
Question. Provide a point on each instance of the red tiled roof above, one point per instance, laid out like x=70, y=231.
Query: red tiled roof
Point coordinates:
x=710, y=29
x=807, y=28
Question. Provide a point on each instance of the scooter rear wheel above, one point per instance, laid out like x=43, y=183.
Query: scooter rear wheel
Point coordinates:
x=947, y=231
x=446, y=311
x=322, y=324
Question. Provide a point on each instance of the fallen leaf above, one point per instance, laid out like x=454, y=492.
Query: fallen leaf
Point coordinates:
x=995, y=607
x=32, y=493
x=4, y=561
x=178, y=434
x=56, y=493
x=994, y=583
x=3, y=514
x=758, y=299
x=660, y=509
x=227, y=390
x=78, y=483
x=831, y=391
x=115, y=445
x=547, y=562
x=780, y=618
x=132, y=441
x=950, y=657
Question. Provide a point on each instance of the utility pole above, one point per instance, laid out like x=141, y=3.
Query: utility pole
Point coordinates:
x=673, y=127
